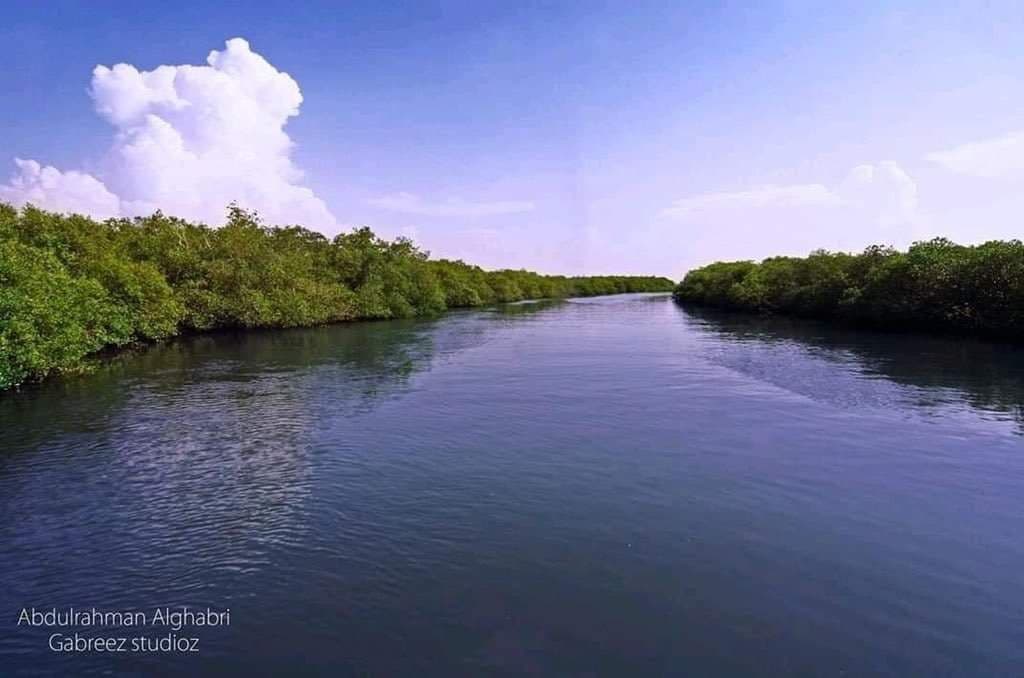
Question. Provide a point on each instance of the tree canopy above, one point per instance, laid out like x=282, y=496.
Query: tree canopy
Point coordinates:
x=71, y=286
x=935, y=285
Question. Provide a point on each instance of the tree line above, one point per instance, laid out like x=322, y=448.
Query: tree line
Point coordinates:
x=935, y=285
x=71, y=286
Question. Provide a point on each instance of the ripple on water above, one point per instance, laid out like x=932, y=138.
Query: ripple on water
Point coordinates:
x=599, y=486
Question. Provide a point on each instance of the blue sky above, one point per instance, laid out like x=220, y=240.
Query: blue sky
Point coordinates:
x=566, y=137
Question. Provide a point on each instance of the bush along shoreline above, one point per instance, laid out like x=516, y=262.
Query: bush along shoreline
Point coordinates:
x=71, y=286
x=934, y=286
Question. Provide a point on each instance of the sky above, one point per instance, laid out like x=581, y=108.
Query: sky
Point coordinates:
x=564, y=137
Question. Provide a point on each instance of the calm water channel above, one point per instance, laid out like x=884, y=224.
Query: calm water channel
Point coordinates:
x=610, y=486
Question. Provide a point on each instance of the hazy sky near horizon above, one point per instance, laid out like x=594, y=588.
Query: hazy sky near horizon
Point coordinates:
x=572, y=137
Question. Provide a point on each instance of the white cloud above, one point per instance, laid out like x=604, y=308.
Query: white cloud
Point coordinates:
x=989, y=158
x=60, y=191
x=189, y=140
x=455, y=207
x=873, y=204
x=884, y=193
x=762, y=196
x=884, y=190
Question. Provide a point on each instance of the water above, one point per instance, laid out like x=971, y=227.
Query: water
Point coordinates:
x=611, y=486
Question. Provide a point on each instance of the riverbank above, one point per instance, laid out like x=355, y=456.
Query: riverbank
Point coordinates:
x=935, y=286
x=72, y=287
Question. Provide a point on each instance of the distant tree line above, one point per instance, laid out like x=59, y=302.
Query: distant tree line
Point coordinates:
x=71, y=286
x=935, y=285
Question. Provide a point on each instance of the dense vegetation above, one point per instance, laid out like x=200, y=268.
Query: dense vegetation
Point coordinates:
x=71, y=286
x=936, y=285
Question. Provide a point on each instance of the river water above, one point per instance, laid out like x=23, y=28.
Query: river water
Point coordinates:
x=608, y=486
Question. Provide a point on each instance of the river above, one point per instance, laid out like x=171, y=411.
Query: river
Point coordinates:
x=607, y=486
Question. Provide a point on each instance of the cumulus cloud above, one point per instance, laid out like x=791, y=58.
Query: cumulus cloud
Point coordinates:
x=188, y=140
x=873, y=204
x=884, y=193
x=411, y=204
x=762, y=196
x=884, y=189
x=989, y=158
x=60, y=191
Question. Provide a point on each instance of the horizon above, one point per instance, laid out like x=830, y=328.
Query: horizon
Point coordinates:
x=562, y=140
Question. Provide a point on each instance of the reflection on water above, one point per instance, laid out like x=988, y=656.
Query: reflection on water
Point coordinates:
x=528, y=307
x=922, y=375
x=608, y=486
x=184, y=464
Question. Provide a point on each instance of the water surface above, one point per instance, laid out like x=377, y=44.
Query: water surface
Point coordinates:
x=610, y=486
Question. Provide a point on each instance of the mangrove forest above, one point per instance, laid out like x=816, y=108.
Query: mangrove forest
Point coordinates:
x=72, y=286
x=936, y=285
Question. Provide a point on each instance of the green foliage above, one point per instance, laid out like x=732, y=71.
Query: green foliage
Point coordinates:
x=936, y=285
x=71, y=286
x=49, y=318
